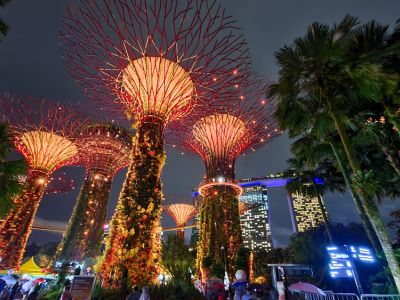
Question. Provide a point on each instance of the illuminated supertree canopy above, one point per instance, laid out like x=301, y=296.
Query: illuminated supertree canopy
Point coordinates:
x=228, y=131
x=43, y=133
x=181, y=213
x=219, y=136
x=104, y=149
x=157, y=61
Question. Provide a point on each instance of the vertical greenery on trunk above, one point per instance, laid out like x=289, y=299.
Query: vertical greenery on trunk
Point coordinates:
x=82, y=240
x=17, y=225
x=133, y=246
x=220, y=234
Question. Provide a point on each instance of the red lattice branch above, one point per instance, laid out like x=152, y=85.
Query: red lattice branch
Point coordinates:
x=44, y=132
x=223, y=133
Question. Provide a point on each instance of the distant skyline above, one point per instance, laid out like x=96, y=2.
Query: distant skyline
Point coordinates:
x=30, y=64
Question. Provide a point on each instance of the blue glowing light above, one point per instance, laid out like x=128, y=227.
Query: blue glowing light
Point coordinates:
x=340, y=265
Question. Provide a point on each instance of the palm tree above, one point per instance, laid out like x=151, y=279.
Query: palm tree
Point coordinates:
x=318, y=74
x=10, y=184
x=378, y=56
x=3, y=26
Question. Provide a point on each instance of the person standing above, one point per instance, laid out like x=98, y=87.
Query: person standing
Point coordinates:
x=13, y=291
x=66, y=295
x=35, y=293
x=239, y=285
x=135, y=295
x=145, y=294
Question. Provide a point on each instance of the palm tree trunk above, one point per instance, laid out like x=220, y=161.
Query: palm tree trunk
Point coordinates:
x=380, y=229
x=351, y=157
x=360, y=208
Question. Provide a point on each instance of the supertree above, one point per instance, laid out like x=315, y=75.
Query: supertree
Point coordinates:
x=181, y=213
x=157, y=61
x=43, y=133
x=219, y=137
x=104, y=149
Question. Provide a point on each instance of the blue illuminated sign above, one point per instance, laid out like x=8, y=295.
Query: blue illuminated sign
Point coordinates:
x=342, y=257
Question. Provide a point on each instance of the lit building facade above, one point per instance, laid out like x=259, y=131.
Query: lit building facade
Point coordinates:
x=256, y=231
x=306, y=212
x=194, y=237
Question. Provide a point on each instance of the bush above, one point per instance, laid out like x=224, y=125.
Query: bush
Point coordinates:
x=100, y=293
x=54, y=293
x=175, y=290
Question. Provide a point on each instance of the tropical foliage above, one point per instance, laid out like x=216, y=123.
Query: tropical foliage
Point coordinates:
x=178, y=260
x=3, y=26
x=338, y=89
x=10, y=171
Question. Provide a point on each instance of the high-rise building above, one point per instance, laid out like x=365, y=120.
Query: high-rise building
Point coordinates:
x=256, y=231
x=305, y=212
x=194, y=238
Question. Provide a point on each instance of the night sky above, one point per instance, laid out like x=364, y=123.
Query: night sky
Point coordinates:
x=30, y=65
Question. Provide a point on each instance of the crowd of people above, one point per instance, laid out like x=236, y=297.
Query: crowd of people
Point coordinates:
x=213, y=288
x=19, y=290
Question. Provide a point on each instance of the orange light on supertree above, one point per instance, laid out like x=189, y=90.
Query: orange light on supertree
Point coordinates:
x=104, y=150
x=219, y=136
x=157, y=61
x=43, y=133
x=181, y=213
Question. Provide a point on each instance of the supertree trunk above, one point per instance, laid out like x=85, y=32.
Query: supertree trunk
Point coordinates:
x=17, y=225
x=220, y=232
x=133, y=247
x=82, y=241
